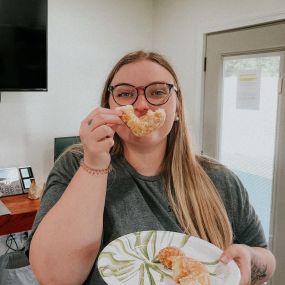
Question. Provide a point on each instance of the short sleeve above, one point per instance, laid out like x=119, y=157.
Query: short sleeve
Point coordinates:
x=247, y=228
x=57, y=181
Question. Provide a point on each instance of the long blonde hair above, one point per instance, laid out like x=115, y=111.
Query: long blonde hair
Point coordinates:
x=191, y=194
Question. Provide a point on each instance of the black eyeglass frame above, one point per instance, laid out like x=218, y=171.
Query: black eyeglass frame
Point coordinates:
x=169, y=85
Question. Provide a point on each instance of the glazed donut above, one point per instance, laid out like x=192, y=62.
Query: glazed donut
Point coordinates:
x=188, y=271
x=144, y=125
x=165, y=255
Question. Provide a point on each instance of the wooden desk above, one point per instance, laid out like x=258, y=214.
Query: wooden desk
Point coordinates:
x=23, y=212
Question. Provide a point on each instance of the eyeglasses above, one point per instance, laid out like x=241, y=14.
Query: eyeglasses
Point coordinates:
x=155, y=93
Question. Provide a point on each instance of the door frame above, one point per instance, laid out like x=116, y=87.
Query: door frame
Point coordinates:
x=215, y=50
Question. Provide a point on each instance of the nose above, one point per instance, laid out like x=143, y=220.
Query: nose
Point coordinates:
x=141, y=105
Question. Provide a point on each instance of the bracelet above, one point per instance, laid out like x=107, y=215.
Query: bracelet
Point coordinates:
x=93, y=171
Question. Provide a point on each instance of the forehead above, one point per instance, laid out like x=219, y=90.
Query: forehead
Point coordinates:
x=141, y=73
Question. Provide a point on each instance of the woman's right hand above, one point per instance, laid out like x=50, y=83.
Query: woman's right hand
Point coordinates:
x=96, y=134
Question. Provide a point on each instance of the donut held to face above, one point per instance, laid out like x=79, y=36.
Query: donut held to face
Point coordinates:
x=145, y=124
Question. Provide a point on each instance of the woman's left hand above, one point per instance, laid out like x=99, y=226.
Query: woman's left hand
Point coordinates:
x=256, y=264
x=241, y=254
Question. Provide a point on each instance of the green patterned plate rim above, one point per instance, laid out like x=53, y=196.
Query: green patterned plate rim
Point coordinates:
x=132, y=259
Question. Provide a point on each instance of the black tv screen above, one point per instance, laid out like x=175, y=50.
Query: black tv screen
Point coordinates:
x=23, y=45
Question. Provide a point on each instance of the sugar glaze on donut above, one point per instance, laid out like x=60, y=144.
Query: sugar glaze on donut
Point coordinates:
x=145, y=124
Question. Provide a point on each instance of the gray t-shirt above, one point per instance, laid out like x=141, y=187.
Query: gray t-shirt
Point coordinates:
x=136, y=203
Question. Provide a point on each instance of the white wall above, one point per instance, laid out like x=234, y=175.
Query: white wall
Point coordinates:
x=178, y=30
x=85, y=38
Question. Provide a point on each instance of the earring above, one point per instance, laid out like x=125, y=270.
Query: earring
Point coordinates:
x=177, y=118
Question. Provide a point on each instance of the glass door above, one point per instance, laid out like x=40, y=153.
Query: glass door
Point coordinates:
x=248, y=125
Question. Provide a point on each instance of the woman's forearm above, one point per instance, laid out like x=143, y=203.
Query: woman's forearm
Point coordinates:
x=67, y=241
x=262, y=265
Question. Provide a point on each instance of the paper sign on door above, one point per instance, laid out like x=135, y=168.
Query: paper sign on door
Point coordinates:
x=248, y=90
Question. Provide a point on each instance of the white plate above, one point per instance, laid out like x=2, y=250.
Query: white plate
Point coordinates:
x=132, y=259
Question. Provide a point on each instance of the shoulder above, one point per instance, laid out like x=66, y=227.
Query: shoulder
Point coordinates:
x=219, y=173
x=209, y=163
x=226, y=182
x=245, y=222
x=66, y=166
x=59, y=177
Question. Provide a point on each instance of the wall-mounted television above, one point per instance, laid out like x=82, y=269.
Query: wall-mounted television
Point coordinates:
x=23, y=45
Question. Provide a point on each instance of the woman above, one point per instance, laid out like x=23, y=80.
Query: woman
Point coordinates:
x=156, y=183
